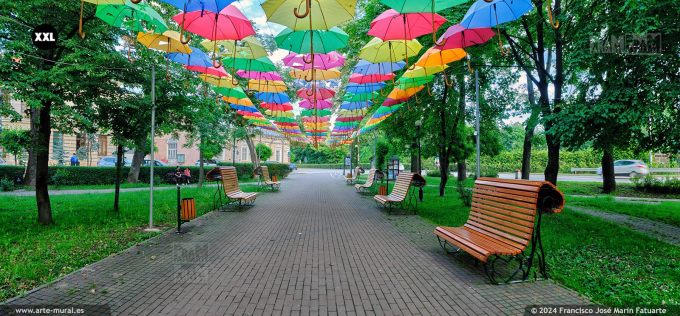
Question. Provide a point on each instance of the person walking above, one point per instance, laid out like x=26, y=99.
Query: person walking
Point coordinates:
x=74, y=160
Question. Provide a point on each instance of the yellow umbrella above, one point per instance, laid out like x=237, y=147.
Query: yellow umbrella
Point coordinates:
x=280, y=113
x=266, y=85
x=221, y=82
x=399, y=94
x=309, y=14
x=168, y=42
x=423, y=71
x=379, y=51
x=436, y=57
x=233, y=100
x=315, y=74
x=249, y=47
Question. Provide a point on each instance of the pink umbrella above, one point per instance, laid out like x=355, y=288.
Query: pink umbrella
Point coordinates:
x=229, y=24
x=321, y=94
x=321, y=61
x=457, y=36
x=259, y=75
x=313, y=119
x=320, y=104
x=218, y=72
x=390, y=25
x=375, y=78
x=350, y=119
x=277, y=107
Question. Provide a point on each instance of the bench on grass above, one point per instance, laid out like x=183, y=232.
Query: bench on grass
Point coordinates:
x=232, y=191
x=265, y=180
x=400, y=192
x=368, y=183
x=505, y=219
x=354, y=176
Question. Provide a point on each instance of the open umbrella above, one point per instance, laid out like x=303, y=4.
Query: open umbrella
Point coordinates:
x=359, y=96
x=354, y=105
x=315, y=112
x=365, y=67
x=270, y=97
x=97, y=2
x=196, y=58
x=308, y=14
x=222, y=82
x=228, y=24
x=379, y=51
x=259, y=75
x=266, y=85
x=277, y=106
x=391, y=25
x=423, y=71
x=235, y=92
x=457, y=36
x=486, y=13
x=132, y=17
x=359, y=78
x=238, y=101
x=410, y=6
x=263, y=64
x=313, y=74
x=249, y=47
x=199, y=5
x=318, y=93
x=321, y=61
x=436, y=57
x=168, y=42
x=406, y=83
x=319, y=104
x=316, y=41
x=211, y=70
x=399, y=94
x=364, y=88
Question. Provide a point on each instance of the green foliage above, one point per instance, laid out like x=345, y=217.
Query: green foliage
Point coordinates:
x=15, y=142
x=382, y=149
x=464, y=193
x=652, y=184
x=509, y=161
x=6, y=184
x=436, y=173
x=320, y=166
x=263, y=152
x=245, y=170
x=323, y=155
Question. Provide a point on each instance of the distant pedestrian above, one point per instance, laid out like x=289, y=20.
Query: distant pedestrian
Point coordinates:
x=74, y=160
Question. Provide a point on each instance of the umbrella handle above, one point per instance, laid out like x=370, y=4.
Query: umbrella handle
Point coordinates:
x=183, y=37
x=447, y=82
x=553, y=21
x=310, y=94
x=136, y=1
x=217, y=63
x=308, y=7
x=80, y=25
x=429, y=91
x=469, y=65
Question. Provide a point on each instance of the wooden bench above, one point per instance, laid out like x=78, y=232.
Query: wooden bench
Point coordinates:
x=265, y=180
x=400, y=191
x=368, y=183
x=232, y=191
x=354, y=176
x=504, y=220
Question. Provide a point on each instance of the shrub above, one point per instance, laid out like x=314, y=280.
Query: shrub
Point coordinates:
x=464, y=193
x=15, y=173
x=321, y=166
x=6, y=184
x=651, y=184
x=434, y=173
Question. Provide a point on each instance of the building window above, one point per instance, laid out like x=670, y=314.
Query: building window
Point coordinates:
x=244, y=153
x=278, y=155
x=103, y=145
x=172, y=149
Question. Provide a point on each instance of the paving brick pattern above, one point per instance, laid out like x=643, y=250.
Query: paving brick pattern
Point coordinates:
x=314, y=248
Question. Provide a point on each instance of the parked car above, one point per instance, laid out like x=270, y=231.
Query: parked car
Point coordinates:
x=629, y=168
x=292, y=166
x=110, y=161
x=158, y=163
x=207, y=162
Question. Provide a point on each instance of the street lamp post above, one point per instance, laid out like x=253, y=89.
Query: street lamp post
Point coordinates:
x=419, y=125
x=477, y=123
x=153, y=147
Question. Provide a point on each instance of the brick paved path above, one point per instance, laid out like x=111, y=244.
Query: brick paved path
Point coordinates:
x=316, y=247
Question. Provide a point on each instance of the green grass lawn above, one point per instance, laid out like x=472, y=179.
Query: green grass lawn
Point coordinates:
x=665, y=212
x=595, y=188
x=608, y=263
x=86, y=230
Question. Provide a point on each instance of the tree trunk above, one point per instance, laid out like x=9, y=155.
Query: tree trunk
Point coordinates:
x=462, y=171
x=201, y=170
x=119, y=166
x=253, y=152
x=137, y=160
x=444, y=152
x=529, y=130
x=608, y=176
x=41, y=150
x=553, y=167
x=32, y=163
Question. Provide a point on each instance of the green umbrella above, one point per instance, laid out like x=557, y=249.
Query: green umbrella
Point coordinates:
x=352, y=97
x=306, y=42
x=315, y=112
x=231, y=92
x=132, y=17
x=261, y=64
x=407, y=83
x=387, y=109
x=345, y=124
x=284, y=119
x=410, y=6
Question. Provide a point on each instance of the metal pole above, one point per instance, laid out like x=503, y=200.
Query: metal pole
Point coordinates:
x=477, y=122
x=375, y=142
x=153, y=145
x=420, y=167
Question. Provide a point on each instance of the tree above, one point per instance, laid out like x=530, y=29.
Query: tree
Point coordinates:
x=15, y=142
x=263, y=152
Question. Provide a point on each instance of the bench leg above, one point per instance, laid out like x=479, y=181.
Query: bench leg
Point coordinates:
x=443, y=243
x=495, y=277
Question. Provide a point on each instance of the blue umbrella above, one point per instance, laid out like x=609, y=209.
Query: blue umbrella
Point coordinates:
x=196, y=58
x=364, y=88
x=489, y=14
x=199, y=5
x=368, y=68
x=270, y=97
x=351, y=106
x=243, y=108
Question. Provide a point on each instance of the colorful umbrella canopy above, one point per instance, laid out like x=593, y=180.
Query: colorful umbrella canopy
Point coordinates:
x=222, y=82
x=321, y=61
x=397, y=93
x=489, y=14
x=319, y=104
x=237, y=101
x=317, y=41
x=354, y=105
x=315, y=119
x=359, y=78
x=365, y=67
x=97, y=2
x=406, y=83
x=199, y=5
x=228, y=24
x=306, y=15
x=271, y=75
x=209, y=70
x=196, y=58
x=168, y=42
x=360, y=96
x=364, y=88
x=458, y=36
x=379, y=51
x=263, y=64
x=236, y=92
x=132, y=17
x=277, y=106
x=266, y=85
x=270, y=97
x=408, y=6
x=314, y=74
x=321, y=93
x=390, y=25
x=249, y=47
x=243, y=108
x=423, y=71
x=315, y=112
x=436, y=57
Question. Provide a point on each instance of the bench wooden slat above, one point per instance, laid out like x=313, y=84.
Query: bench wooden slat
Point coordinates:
x=231, y=187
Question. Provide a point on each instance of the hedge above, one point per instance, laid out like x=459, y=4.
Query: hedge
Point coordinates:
x=320, y=166
x=67, y=175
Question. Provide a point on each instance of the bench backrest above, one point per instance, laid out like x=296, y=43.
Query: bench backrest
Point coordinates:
x=401, y=186
x=265, y=173
x=506, y=209
x=371, y=175
x=229, y=180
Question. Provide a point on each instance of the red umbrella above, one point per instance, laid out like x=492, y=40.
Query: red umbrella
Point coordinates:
x=229, y=24
x=390, y=25
x=320, y=104
x=277, y=107
x=350, y=119
x=218, y=72
x=374, y=78
x=321, y=94
x=457, y=36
